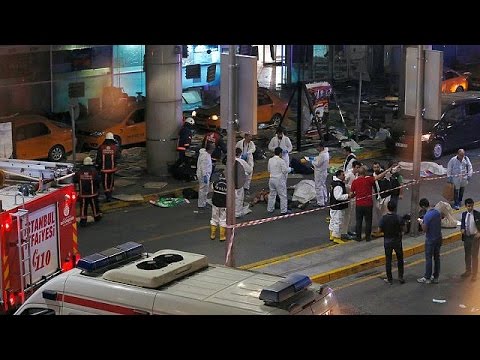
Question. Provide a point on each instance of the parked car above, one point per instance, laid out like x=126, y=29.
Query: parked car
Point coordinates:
x=459, y=126
x=127, y=124
x=270, y=109
x=37, y=137
x=472, y=71
x=453, y=81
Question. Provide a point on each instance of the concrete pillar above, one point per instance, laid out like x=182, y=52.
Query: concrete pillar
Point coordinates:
x=163, y=66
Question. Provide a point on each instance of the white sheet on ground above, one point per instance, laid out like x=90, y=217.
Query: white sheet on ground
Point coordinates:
x=425, y=167
x=304, y=191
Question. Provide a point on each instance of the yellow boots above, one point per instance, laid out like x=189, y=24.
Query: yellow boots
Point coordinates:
x=213, y=232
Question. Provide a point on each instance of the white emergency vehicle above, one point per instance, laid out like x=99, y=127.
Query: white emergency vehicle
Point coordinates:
x=38, y=229
x=126, y=280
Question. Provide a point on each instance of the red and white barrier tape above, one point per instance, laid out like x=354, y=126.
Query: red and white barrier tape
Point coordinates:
x=286, y=216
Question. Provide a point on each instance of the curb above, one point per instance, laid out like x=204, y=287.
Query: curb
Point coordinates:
x=351, y=269
x=106, y=207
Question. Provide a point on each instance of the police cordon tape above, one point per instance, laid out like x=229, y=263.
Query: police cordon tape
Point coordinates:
x=286, y=216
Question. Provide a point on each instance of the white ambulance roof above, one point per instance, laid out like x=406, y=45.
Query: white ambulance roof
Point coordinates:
x=147, y=273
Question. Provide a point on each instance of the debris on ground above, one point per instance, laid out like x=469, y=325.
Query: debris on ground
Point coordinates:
x=168, y=202
x=462, y=306
x=439, y=301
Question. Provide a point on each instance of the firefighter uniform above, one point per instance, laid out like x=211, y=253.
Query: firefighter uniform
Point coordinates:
x=107, y=156
x=219, y=208
x=88, y=179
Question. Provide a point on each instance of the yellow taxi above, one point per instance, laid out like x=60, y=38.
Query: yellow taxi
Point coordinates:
x=453, y=81
x=37, y=137
x=270, y=109
x=126, y=124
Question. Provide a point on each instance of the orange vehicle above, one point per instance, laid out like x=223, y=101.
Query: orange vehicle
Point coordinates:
x=270, y=109
x=37, y=137
x=453, y=81
x=126, y=124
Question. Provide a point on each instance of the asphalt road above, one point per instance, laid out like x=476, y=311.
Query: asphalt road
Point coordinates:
x=184, y=228
x=367, y=294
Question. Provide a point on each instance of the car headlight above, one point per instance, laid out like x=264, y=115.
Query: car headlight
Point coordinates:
x=214, y=117
x=97, y=133
x=194, y=113
x=426, y=137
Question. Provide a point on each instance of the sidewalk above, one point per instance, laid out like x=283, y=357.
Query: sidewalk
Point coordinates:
x=337, y=261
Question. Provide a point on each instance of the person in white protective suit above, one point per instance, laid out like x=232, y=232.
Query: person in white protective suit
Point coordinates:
x=338, y=206
x=248, y=148
x=278, y=182
x=320, y=167
x=282, y=141
x=240, y=193
x=204, y=171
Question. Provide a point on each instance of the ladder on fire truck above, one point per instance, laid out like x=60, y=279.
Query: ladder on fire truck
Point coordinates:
x=44, y=172
x=24, y=254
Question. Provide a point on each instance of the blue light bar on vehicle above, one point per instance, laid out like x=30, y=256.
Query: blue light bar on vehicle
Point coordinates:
x=111, y=256
x=285, y=289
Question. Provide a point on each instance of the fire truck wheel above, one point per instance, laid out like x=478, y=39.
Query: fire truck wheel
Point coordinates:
x=56, y=153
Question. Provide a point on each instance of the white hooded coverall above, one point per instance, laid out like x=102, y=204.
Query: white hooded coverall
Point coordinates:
x=240, y=193
x=247, y=152
x=285, y=144
x=277, y=184
x=320, y=167
x=204, y=168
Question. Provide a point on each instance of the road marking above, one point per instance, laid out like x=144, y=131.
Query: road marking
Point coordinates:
x=376, y=276
x=164, y=236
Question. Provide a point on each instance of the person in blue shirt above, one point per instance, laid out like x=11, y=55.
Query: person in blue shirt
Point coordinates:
x=431, y=225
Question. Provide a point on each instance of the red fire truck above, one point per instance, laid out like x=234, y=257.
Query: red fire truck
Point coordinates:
x=38, y=230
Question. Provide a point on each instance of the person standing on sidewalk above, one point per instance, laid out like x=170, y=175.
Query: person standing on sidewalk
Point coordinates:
x=240, y=192
x=459, y=172
x=278, y=182
x=432, y=226
x=396, y=181
x=282, y=141
x=219, y=208
x=362, y=190
x=185, y=137
x=350, y=175
x=204, y=171
x=338, y=206
x=350, y=158
x=108, y=155
x=392, y=226
x=381, y=198
x=470, y=228
x=248, y=148
x=320, y=167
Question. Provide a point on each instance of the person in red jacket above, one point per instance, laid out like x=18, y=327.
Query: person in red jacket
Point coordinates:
x=88, y=179
x=107, y=156
x=362, y=190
